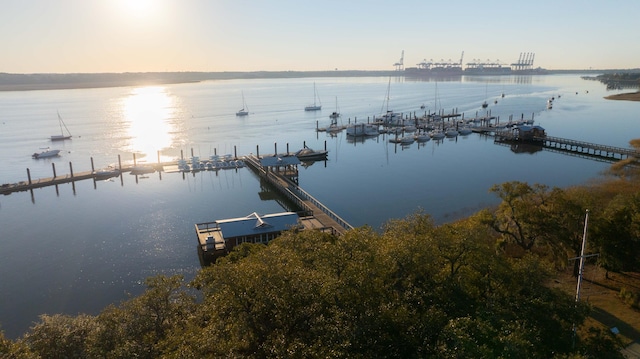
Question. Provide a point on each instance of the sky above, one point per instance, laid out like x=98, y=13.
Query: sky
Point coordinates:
x=89, y=36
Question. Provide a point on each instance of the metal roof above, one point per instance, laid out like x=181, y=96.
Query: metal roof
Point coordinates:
x=255, y=224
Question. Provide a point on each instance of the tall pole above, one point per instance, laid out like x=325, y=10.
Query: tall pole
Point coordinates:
x=581, y=266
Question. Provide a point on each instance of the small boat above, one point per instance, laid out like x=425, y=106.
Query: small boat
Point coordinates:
x=407, y=140
x=245, y=110
x=46, y=153
x=308, y=154
x=485, y=104
x=422, y=137
x=451, y=132
x=335, y=114
x=362, y=129
x=62, y=136
x=316, y=105
x=106, y=173
x=142, y=169
x=463, y=131
x=437, y=134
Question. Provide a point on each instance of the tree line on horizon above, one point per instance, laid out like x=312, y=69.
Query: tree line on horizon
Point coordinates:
x=478, y=287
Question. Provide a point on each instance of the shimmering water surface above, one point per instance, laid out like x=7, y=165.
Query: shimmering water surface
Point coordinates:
x=76, y=248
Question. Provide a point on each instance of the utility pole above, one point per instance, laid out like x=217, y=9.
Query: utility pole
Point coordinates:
x=581, y=265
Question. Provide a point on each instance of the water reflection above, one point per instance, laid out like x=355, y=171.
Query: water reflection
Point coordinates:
x=146, y=114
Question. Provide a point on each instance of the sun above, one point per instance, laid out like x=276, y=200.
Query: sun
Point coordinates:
x=138, y=8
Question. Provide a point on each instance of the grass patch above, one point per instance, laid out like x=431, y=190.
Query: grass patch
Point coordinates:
x=603, y=293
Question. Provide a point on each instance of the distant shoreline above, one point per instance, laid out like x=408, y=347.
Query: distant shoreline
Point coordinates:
x=629, y=96
x=34, y=82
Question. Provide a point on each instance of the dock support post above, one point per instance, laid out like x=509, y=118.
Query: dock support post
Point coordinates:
x=325, y=145
x=92, y=168
x=257, y=151
x=235, y=152
x=29, y=175
x=181, y=155
x=53, y=166
x=119, y=164
x=71, y=168
x=275, y=147
x=158, y=156
x=215, y=151
x=191, y=151
x=287, y=148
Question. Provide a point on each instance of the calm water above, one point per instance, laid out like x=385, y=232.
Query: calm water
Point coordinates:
x=77, y=248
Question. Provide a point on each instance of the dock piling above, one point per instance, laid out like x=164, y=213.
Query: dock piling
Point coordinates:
x=29, y=176
x=92, y=168
x=71, y=169
x=53, y=166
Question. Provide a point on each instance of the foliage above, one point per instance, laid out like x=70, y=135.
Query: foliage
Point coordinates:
x=617, y=234
x=537, y=220
x=630, y=297
x=414, y=290
x=628, y=167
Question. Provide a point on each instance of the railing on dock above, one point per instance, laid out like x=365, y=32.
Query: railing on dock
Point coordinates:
x=572, y=146
x=589, y=148
x=294, y=193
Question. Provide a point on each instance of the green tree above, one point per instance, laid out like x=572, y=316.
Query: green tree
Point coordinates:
x=134, y=328
x=61, y=336
x=617, y=235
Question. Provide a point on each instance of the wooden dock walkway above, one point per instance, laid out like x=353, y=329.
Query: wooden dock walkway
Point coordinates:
x=572, y=146
x=321, y=216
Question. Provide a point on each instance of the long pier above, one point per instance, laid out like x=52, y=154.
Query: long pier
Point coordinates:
x=611, y=153
x=318, y=211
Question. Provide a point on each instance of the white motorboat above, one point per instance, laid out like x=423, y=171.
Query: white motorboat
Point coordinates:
x=62, y=136
x=46, y=153
x=362, y=129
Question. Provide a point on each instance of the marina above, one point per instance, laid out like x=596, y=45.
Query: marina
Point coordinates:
x=98, y=240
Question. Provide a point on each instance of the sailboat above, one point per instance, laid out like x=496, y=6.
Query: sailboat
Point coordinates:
x=485, y=104
x=62, y=136
x=316, y=106
x=389, y=118
x=336, y=113
x=245, y=110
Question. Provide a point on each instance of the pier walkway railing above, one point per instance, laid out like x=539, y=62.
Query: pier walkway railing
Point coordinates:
x=299, y=196
x=573, y=146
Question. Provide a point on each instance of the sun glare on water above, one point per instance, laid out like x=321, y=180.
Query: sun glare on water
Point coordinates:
x=147, y=114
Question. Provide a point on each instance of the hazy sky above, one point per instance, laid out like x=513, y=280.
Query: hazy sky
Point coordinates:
x=67, y=36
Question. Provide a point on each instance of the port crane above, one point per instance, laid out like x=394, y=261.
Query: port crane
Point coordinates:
x=400, y=64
